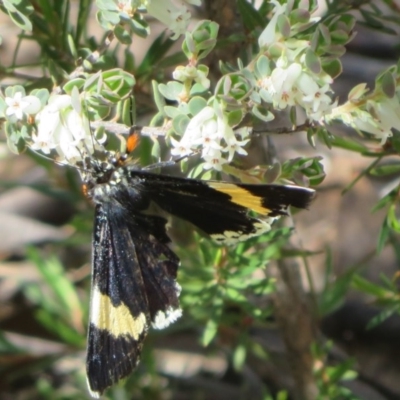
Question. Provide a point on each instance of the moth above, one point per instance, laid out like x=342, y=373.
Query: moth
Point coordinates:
x=133, y=269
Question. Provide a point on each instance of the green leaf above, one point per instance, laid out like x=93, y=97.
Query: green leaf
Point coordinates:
x=235, y=295
x=383, y=236
x=107, y=19
x=128, y=111
x=239, y=357
x=334, y=294
x=53, y=274
x=262, y=113
x=383, y=316
x=129, y=62
x=117, y=84
x=368, y=287
x=72, y=47
x=108, y=5
x=348, y=144
x=59, y=327
x=122, y=35
x=19, y=13
x=333, y=67
x=156, y=150
x=313, y=62
x=158, y=98
x=250, y=15
x=262, y=67
x=172, y=112
x=209, y=333
x=171, y=90
x=388, y=169
x=196, y=104
x=300, y=15
x=180, y=123
x=283, y=25
x=201, y=41
x=77, y=82
x=392, y=219
x=139, y=25
x=235, y=117
x=156, y=52
x=82, y=19
x=388, y=84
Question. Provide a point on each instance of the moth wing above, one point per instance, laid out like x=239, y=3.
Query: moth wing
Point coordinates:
x=221, y=209
x=133, y=286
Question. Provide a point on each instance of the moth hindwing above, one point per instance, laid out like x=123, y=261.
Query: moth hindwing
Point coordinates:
x=134, y=271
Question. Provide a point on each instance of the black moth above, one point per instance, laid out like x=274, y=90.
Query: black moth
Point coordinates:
x=134, y=271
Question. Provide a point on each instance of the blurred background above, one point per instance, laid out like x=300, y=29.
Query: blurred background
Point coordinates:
x=45, y=251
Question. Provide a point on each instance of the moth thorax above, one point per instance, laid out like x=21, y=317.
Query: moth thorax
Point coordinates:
x=119, y=177
x=102, y=192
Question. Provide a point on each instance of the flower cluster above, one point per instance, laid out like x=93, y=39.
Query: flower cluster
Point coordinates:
x=127, y=17
x=172, y=13
x=376, y=117
x=60, y=126
x=210, y=131
x=286, y=73
x=19, y=106
x=291, y=84
x=60, y=131
x=289, y=80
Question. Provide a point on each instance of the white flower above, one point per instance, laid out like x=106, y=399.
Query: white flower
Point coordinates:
x=291, y=85
x=388, y=113
x=201, y=125
x=235, y=146
x=214, y=160
x=74, y=140
x=125, y=6
x=313, y=98
x=283, y=88
x=182, y=73
x=323, y=110
x=61, y=127
x=269, y=35
x=15, y=105
x=174, y=16
x=18, y=105
x=371, y=126
x=182, y=148
x=364, y=121
x=210, y=132
x=378, y=118
x=42, y=142
x=201, y=131
x=209, y=140
x=32, y=105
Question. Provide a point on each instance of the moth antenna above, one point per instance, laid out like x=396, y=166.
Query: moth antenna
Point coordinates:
x=55, y=161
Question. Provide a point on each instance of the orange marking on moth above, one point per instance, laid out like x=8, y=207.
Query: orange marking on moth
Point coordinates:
x=85, y=190
x=132, y=142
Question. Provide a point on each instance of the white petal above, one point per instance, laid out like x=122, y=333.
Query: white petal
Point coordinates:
x=32, y=105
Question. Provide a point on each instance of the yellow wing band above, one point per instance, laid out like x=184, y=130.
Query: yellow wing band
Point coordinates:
x=117, y=321
x=241, y=196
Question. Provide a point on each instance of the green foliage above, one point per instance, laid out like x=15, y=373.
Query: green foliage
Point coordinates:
x=19, y=12
x=59, y=310
x=329, y=377
x=226, y=291
x=200, y=41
